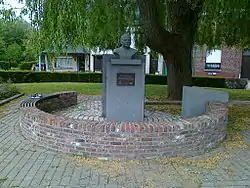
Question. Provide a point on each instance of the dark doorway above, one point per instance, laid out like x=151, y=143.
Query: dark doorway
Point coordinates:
x=153, y=66
x=245, y=67
x=81, y=63
x=98, y=63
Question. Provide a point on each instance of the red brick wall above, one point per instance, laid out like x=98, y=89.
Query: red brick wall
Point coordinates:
x=124, y=140
x=230, y=63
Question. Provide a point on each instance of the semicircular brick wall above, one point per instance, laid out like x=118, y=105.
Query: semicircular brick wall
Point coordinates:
x=186, y=137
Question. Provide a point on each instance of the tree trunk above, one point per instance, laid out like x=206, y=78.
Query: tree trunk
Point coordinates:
x=174, y=43
x=179, y=73
x=179, y=64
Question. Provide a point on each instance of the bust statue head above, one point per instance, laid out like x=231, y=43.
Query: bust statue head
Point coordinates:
x=125, y=52
x=126, y=40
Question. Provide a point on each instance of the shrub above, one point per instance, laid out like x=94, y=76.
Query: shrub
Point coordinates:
x=7, y=89
x=236, y=83
x=26, y=65
x=156, y=79
x=4, y=65
x=31, y=77
x=92, y=77
x=209, y=82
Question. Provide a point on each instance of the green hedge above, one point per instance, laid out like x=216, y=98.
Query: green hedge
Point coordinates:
x=31, y=77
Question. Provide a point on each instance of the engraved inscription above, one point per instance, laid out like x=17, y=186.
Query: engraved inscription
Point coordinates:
x=125, y=79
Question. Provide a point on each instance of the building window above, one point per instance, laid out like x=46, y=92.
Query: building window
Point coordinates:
x=213, y=60
x=64, y=62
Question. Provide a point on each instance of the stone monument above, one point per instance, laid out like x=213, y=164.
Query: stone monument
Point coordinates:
x=194, y=100
x=123, y=84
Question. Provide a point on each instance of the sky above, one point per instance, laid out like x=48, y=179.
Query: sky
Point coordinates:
x=17, y=6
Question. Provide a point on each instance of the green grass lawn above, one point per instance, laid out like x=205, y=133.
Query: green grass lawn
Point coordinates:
x=83, y=88
x=153, y=92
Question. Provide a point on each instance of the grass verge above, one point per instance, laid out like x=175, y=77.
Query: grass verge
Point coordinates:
x=153, y=92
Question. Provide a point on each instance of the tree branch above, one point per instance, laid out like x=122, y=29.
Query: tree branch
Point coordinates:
x=156, y=36
x=183, y=17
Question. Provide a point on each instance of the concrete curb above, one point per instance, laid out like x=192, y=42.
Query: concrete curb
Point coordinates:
x=163, y=102
x=2, y=102
x=230, y=103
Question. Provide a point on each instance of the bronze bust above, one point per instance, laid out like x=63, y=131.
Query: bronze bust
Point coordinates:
x=125, y=52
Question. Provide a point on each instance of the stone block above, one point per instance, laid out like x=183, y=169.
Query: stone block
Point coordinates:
x=194, y=100
x=123, y=89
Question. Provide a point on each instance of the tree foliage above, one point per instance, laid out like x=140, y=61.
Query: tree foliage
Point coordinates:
x=100, y=23
x=169, y=27
x=13, y=53
x=225, y=22
x=16, y=42
x=14, y=31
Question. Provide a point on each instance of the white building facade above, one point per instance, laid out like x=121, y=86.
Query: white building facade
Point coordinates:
x=90, y=61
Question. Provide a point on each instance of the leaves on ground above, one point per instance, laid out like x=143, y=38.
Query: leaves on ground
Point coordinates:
x=210, y=162
x=239, y=121
x=4, y=108
x=170, y=109
x=2, y=180
x=187, y=169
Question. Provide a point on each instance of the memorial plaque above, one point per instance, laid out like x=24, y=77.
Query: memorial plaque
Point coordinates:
x=126, y=79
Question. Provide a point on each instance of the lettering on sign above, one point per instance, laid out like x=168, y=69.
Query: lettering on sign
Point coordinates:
x=125, y=79
x=213, y=66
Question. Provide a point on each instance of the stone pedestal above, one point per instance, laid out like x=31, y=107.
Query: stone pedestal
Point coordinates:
x=123, y=89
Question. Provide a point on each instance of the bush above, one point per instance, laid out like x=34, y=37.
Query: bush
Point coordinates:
x=156, y=79
x=236, y=83
x=26, y=65
x=209, y=82
x=92, y=77
x=31, y=77
x=4, y=65
x=7, y=89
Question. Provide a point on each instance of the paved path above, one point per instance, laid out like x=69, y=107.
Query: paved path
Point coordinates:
x=24, y=165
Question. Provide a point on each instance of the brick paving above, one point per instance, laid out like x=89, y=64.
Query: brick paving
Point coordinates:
x=90, y=107
x=25, y=165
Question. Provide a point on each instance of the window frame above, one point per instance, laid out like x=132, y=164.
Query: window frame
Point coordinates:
x=68, y=64
x=215, y=64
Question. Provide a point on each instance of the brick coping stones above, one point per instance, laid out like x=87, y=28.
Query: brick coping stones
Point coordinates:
x=93, y=137
x=5, y=101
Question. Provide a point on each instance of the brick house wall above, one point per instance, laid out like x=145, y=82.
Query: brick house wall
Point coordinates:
x=231, y=60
